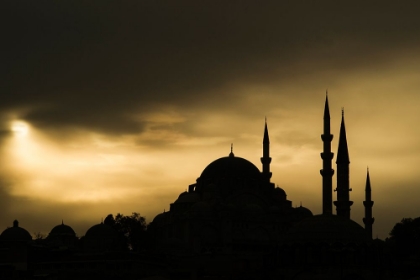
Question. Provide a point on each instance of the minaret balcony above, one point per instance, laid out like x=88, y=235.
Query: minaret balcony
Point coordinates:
x=368, y=221
x=266, y=160
x=368, y=203
x=327, y=137
x=326, y=172
x=327, y=156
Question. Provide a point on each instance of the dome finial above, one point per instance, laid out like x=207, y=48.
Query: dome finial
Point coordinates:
x=15, y=223
x=231, y=150
x=62, y=222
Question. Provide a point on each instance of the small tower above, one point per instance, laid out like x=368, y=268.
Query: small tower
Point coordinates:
x=368, y=220
x=327, y=172
x=343, y=202
x=266, y=159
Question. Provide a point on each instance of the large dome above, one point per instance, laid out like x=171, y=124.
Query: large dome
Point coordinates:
x=231, y=167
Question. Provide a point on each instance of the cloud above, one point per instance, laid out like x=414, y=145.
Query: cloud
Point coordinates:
x=95, y=65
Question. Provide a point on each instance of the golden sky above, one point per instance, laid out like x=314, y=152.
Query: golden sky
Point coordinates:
x=118, y=107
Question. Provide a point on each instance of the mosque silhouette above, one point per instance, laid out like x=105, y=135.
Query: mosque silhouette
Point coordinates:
x=232, y=223
x=235, y=207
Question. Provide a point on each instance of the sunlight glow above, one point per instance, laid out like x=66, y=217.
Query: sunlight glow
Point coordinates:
x=20, y=128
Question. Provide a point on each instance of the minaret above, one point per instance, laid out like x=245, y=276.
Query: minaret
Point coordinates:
x=368, y=220
x=343, y=202
x=327, y=172
x=266, y=159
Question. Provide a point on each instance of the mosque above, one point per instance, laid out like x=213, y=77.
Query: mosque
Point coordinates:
x=232, y=212
x=234, y=207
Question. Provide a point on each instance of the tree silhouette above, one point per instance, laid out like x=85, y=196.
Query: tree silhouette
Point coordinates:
x=405, y=237
x=38, y=235
x=132, y=229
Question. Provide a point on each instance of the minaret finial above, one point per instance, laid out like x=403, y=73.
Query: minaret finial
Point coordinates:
x=231, y=150
x=342, y=111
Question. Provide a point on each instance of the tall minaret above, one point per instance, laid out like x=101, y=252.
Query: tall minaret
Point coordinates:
x=343, y=202
x=266, y=159
x=368, y=220
x=327, y=172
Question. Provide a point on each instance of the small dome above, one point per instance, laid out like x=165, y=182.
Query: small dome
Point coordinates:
x=279, y=192
x=62, y=230
x=326, y=228
x=100, y=230
x=302, y=212
x=159, y=218
x=101, y=238
x=15, y=233
x=188, y=197
x=231, y=167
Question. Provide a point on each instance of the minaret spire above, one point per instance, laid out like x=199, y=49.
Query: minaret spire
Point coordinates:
x=368, y=220
x=327, y=172
x=343, y=202
x=231, y=151
x=266, y=159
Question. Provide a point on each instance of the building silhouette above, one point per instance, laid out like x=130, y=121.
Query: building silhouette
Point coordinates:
x=232, y=207
x=231, y=222
x=235, y=208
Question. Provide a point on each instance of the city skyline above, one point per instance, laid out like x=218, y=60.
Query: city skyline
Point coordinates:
x=119, y=109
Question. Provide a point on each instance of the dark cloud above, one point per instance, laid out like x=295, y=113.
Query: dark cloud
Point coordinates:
x=94, y=64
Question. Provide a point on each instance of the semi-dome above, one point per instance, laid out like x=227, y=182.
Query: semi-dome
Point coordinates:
x=326, y=228
x=62, y=230
x=15, y=233
x=188, y=197
x=231, y=167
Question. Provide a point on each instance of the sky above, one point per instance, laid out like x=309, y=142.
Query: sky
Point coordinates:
x=117, y=106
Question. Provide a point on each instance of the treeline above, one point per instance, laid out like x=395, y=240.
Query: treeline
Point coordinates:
x=404, y=240
x=132, y=230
